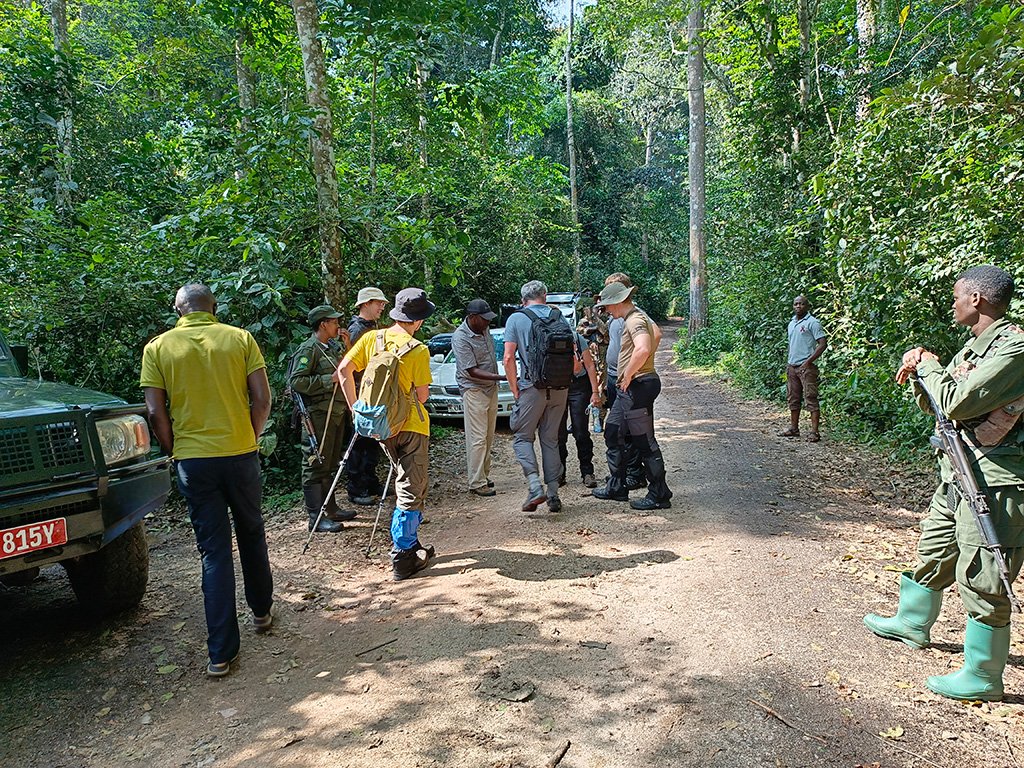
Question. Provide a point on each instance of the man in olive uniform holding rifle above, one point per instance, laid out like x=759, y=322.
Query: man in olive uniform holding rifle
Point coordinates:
x=314, y=376
x=982, y=391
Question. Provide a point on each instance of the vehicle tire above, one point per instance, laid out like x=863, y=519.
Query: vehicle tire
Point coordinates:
x=113, y=579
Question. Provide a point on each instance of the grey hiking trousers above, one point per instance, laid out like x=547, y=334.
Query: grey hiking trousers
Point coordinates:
x=538, y=414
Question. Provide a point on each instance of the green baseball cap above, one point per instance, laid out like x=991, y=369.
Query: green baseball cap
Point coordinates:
x=323, y=312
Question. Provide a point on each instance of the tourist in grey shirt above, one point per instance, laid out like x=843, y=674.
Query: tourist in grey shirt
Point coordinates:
x=537, y=413
x=476, y=371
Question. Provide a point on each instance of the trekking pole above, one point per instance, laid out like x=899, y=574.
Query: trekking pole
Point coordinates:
x=330, y=494
x=380, y=506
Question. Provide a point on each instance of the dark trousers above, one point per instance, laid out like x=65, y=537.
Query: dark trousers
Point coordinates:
x=211, y=487
x=632, y=414
x=576, y=413
x=362, y=468
x=636, y=475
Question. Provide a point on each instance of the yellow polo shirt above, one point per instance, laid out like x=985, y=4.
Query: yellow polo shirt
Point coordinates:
x=203, y=365
x=413, y=370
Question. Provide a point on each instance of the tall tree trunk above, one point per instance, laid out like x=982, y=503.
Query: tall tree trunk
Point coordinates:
x=307, y=21
x=65, y=127
x=496, y=45
x=866, y=29
x=245, y=77
x=373, y=130
x=695, y=77
x=803, y=18
x=645, y=237
x=421, y=102
x=570, y=140
x=246, y=94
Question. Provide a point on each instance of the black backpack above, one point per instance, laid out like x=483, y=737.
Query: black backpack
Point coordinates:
x=549, y=353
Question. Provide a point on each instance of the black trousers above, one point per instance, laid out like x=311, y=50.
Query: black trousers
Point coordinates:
x=632, y=414
x=362, y=468
x=576, y=413
x=635, y=473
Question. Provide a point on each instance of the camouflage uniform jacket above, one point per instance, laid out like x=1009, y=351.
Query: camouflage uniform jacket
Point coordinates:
x=983, y=378
x=312, y=365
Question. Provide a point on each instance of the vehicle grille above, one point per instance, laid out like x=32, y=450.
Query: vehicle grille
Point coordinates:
x=49, y=513
x=38, y=448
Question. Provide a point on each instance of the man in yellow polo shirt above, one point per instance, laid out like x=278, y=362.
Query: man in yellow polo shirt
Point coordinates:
x=208, y=399
x=408, y=449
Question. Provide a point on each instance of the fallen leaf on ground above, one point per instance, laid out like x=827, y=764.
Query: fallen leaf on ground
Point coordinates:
x=892, y=733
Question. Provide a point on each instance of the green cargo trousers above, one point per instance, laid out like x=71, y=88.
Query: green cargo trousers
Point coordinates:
x=950, y=551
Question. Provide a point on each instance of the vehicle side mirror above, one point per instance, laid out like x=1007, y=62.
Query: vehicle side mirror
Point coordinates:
x=438, y=358
x=20, y=353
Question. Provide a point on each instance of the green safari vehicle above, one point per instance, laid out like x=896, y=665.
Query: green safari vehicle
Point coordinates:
x=77, y=477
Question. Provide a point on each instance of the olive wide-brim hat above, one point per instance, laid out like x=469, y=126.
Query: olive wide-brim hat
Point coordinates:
x=614, y=293
x=411, y=304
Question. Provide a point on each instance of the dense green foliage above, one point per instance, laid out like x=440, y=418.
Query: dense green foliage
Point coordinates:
x=449, y=141
x=872, y=221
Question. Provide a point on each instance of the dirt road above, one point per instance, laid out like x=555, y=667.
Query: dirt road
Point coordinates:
x=723, y=632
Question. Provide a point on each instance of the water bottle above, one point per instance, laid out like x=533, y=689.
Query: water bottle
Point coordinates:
x=595, y=419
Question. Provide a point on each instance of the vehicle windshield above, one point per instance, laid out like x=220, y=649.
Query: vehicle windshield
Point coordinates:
x=561, y=298
x=499, y=348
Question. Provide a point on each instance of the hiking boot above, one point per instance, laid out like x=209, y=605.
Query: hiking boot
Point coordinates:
x=647, y=503
x=604, y=495
x=554, y=505
x=429, y=549
x=534, y=499
x=635, y=484
x=485, y=492
x=362, y=500
x=408, y=562
x=590, y=481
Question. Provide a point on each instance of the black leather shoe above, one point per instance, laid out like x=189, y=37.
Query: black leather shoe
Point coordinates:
x=647, y=503
x=602, y=493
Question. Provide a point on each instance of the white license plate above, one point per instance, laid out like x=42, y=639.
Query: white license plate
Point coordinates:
x=455, y=407
x=29, y=538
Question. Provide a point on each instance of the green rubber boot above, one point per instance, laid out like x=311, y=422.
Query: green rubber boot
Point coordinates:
x=981, y=677
x=919, y=608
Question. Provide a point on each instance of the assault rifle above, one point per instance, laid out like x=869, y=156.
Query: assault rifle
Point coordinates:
x=316, y=457
x=947, y=440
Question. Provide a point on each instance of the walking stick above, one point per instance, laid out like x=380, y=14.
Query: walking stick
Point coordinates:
x=330, y=493
x=380, y=506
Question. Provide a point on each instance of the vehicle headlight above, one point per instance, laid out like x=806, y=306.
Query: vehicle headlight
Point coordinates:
x=436, y=389
x=123, y=438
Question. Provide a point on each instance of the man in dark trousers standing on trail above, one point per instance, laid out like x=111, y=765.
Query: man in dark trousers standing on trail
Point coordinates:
x=313, y=374
x=362, y=482
x=208, y=400
x=633, y=411
x=584, y=392
x=636, y=475
x=806, y=343
x=982, y=391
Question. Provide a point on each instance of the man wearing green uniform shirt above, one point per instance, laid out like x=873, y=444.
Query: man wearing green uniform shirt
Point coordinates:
x=314, y=375
x=982, y=391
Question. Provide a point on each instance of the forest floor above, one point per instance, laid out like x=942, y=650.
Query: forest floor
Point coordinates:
x=725, y=631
